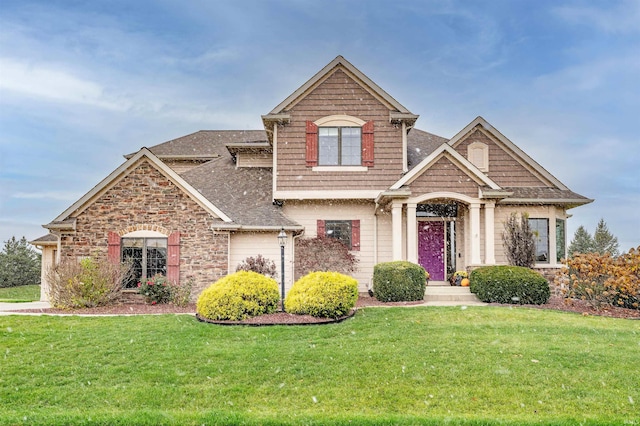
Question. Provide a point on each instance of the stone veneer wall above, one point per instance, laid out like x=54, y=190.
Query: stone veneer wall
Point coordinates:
x=146, y=199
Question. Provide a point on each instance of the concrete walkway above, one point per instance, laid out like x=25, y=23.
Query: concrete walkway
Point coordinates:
x=5, y=308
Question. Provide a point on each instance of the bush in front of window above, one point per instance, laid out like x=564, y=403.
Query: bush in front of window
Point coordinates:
x=86, y=284
x=518, y=240
x=259, y=264
x=323, y=295
x=238, y=296
x=323, y=254
x=399, y=281
x=509, y=284
x=156, y=289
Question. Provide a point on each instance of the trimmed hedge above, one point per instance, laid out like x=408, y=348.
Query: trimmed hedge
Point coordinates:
x=399, y=281
x=509, y=284
x=239, y=296
x=323, y=295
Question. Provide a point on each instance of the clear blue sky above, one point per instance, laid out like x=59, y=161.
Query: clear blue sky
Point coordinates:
x=82, y=83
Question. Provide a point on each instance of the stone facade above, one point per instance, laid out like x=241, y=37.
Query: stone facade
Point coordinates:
x=145, y=199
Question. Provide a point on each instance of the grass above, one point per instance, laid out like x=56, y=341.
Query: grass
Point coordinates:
x=23, y=293
x=474, y=366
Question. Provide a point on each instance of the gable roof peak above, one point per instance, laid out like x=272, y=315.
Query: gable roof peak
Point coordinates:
x=338, y=62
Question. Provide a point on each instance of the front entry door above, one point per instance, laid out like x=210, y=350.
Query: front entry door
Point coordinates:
x=431, y=254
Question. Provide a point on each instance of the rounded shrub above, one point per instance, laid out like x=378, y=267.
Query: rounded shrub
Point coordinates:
x=509, y=284
x=399, y=281
x=323, y=295
x=239, y=296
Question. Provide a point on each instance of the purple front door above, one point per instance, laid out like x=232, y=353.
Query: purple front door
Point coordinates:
x=431, y=249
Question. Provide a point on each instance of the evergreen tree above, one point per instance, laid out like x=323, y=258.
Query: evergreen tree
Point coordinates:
x=604, y=241
x=19, y=264
x=582, y=242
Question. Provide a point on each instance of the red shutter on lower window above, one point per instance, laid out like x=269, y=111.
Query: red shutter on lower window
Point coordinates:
x=113, y=253
x=321, y=229
x=312, y=144
x=367, y=144
x=355, y=235
x=173, y=257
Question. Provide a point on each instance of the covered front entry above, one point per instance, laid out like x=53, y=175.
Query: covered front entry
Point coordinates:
x=431, y=248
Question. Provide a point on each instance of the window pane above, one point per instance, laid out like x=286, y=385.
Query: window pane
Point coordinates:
x=328, y=146
x=351, y=146
x=132, y=255
x=561, y=240
x=540, y=229
x=340, y=230
x=156, y=261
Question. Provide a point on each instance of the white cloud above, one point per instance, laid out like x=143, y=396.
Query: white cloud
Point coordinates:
x=45, y=81
x=51, y=195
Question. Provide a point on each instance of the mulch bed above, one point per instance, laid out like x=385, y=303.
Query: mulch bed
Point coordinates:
x=555, y=303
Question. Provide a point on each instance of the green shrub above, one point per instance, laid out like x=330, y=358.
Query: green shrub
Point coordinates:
x=181, y=292
x=239, y=296
x=322, y=294
x=509, y=284
x=399, y=281
x=155, y=290
x=86, y=284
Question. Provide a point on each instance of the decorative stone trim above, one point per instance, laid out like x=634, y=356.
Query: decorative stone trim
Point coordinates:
x=143, y=227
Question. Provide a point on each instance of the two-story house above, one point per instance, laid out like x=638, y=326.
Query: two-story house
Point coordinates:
x=339, y=157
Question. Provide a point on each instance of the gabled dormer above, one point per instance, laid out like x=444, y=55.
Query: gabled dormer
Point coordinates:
x=338, y=136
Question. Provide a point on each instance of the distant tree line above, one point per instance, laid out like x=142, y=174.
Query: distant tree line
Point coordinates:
x=601, y=242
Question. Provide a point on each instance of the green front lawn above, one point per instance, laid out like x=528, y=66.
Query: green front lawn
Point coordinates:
x=23, y=293
x=480, y=365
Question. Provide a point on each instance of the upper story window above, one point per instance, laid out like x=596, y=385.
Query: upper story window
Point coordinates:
x=339, y=146
x=339, y=141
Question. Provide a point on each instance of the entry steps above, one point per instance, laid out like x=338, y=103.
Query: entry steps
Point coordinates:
x=446, y=295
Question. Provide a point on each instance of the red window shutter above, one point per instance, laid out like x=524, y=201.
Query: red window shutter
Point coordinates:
x=367, y=144
x=355, y=235
x=312, y=144
x=113, y=241
x=173, y=257
x=321, y=229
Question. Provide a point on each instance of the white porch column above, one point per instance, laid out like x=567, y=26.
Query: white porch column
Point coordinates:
x=489, y=235
x=412, y=233
x=396, y=230
x=474, y=208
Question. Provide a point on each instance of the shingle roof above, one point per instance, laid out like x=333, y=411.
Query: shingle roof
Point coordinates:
x=546, y=195
x=244, y=194
x=206, y=143
x=45, y=240
x=420, y=144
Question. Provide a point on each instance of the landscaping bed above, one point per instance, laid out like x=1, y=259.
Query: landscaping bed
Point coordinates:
x=364, y=300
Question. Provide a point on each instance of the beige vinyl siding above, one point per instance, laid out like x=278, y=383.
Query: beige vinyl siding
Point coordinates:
x=338, y=94
x=48, y=260
x=252, y=244
x=502, y=213
x=254, y=159
x=504, y=169
x=307, y=213
x=385, y=237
